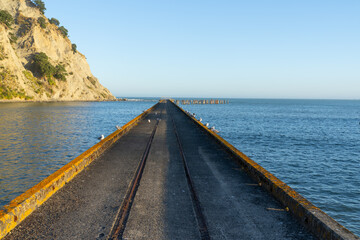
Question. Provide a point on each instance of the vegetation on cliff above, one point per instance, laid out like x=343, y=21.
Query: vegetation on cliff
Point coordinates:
x=44, y=68
x=38, y=60
x=6, y=18
x=40, y=5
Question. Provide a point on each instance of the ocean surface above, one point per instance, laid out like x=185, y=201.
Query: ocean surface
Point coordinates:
x=36, y=139
x=312, y=145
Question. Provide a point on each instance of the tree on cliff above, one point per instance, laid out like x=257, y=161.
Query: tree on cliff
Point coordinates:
x=40, y=5
x=64, y=31
x=46, y=69
x=54, y=21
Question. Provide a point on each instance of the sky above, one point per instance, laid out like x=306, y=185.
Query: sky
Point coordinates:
x=230, y=49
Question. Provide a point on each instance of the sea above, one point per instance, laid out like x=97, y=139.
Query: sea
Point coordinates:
x=312, y=145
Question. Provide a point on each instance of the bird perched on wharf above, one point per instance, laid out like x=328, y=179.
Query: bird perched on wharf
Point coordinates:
x=101, y=137
x=214, y=130
x=118, y=127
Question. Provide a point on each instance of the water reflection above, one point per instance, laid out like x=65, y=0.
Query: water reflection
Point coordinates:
x=38, y=138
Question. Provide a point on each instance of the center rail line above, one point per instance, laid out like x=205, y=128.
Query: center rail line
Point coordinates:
x=200, y=217
x=122, y=216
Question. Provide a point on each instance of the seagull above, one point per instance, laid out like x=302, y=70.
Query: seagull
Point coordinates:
x=118, y=128
x=149, y=120
x=101, y=138
x=214, y=130
x=207, y=125
x=200, y=119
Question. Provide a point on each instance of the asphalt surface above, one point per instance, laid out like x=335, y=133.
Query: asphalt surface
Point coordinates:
x=234, y=206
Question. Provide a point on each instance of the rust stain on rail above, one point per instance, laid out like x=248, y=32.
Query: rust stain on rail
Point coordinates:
x=313, y=218
x=22, y=206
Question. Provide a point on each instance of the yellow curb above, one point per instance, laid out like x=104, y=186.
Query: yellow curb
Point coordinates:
x=22, y=206
x=317, y=221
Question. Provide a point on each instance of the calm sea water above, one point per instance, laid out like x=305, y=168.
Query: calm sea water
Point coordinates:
x=36, y=139
x=312, y=145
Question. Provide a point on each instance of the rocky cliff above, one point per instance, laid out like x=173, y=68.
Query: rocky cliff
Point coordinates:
x=38, y=61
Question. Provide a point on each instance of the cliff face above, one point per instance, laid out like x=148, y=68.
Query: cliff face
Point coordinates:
x=20, y=77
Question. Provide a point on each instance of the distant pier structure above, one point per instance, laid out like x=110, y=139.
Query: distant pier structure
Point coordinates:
x=203, y=101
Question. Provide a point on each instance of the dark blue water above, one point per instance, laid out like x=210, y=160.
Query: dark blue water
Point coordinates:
x=312, y=145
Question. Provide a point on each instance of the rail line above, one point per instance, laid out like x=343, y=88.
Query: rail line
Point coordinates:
x=122, y=216
x=119, y=224
x=200, y=217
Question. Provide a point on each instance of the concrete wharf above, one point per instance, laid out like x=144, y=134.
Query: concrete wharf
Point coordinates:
x=164, y=175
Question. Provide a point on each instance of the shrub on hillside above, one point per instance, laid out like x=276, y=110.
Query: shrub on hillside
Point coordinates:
x=60, y=72
x=64, y=31
x=43, y=66
x=54, y=21
x=46, y=69
x=6, y=18
x=12, y=38
x=25, y=23
x=42, y=22
x=40, y=5
x=74, y=47
x=2, y=53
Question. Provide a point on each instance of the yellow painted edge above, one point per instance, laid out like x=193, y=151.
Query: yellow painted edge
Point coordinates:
x=22, y=206
x=317, y=221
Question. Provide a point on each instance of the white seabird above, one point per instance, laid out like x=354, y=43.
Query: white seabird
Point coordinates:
x=200, y=119
x=207, y=125
x=101, y=138
x=214, y=130
x=118, y=127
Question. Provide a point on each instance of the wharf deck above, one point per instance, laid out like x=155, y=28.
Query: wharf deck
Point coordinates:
x=233, y=204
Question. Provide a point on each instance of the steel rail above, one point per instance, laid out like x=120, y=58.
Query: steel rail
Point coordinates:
x=200, y=217
x=119, y=225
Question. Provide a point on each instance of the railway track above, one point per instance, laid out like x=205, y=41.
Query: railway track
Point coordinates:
x=122, y=216
x=200, y=217
x=119, y=225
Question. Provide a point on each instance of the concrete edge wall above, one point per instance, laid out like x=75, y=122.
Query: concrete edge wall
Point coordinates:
x=314, y=219
x=22, y=206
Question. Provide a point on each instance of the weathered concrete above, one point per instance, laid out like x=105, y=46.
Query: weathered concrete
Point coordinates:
x=162, y=207
x=234, y=205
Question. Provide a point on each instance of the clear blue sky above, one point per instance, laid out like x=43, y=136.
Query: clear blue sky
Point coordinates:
x=244, y=49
